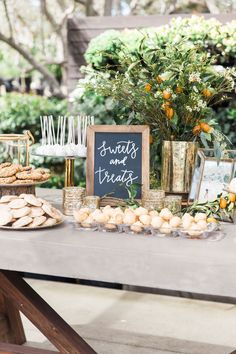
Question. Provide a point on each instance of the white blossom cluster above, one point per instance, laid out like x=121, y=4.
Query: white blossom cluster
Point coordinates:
x=194, y=77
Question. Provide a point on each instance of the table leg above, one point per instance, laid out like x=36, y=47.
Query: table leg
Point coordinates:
x=59, y=333
x=11, y=328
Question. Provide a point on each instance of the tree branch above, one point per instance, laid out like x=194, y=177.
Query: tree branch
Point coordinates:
x=49, y=17
x=8, y=18
x=39, y=67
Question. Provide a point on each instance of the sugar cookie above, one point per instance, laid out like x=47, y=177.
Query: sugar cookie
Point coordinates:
x=8, y=198
x=32, y=200
x=36, y=211
x=19, y=213
x=37, y=221
x=49, y=222
x=17, y=203
x=24, y=221
x=5, y=217
x=52, y=212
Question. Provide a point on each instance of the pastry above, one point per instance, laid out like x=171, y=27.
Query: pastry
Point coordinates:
x=32, y=200
x=7, y=180
x=25, y=168
x=17, y=203
x=45, y=176
x=37, y=221
x=49, y=222
x=52, y=212
x=9, y=171
x=24, y=221
x=19, y=213
x=28, y=175
x=23, y=181
x=5, y=164
x=8, y=198
x=36, y=211
x=5, y=217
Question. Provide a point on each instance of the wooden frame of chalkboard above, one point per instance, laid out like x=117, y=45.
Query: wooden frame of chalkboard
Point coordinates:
x=108, y=152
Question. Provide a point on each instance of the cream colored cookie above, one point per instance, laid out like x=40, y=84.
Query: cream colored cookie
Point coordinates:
x=24, y=181
x=32, y=200
x=5, y=217
x=5, y=164
x=9, y=171
x=45, y=176
x=17, y=203
x=29, y=175
x=7, y=180
x=24, y=221
x=25, y=168
x=50, y=222
x=36, y=211
x=43, y=201
x=8, y=198
x=19, y=213
x=37, y=221
x=52, y=212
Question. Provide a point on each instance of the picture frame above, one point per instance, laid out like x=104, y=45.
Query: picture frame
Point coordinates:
x=111, y=150
x=210, y=177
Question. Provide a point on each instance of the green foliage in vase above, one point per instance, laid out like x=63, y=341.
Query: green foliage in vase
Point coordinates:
x=172, y=89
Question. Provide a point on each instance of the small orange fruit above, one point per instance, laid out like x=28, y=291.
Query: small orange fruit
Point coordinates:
x=169, y=112
x=166, y=94
x=223, y=203
x=206, y=93
x=148, y=87
x=211, y=219
x=196, y=130
x=232, y=197
x=159, y=79
x=166, y=105
x=206, y=128
x=179, y=89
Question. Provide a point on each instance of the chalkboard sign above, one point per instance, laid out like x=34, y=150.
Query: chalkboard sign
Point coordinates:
x=117, y=156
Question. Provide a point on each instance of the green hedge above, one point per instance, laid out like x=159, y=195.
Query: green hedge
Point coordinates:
x=210, y=34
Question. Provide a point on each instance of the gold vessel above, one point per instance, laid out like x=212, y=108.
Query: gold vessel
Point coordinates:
x=178, y=159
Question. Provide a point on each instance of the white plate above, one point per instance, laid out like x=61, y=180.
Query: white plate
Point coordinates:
x=26, y=228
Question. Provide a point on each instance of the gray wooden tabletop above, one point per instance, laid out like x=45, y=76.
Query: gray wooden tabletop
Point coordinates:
x=199, y=266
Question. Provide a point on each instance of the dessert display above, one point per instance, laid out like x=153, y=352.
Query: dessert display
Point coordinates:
x=64, y=137
x=142, y=220
x=16, y=174
x=27, y=212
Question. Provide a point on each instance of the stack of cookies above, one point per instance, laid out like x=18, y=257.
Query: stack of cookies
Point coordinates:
x=27, y=211
x=17, y=174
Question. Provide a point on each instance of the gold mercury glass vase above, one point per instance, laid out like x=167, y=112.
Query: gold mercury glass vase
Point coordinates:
x=178, y=160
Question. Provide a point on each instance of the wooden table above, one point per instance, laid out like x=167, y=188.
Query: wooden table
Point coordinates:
x=195, y=266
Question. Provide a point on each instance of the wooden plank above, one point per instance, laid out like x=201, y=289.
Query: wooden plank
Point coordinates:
x=97, y=22
x=60, y=334
x=12, y=331
x=12, y=348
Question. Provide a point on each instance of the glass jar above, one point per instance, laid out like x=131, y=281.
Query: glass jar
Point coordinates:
x=173, y=202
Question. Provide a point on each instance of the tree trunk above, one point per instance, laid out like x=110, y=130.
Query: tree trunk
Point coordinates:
x=108, y=7
x=55, y=87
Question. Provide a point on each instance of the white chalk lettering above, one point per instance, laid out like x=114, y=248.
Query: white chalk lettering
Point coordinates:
x=118, y=162
x=122, y=147
x=127, y=177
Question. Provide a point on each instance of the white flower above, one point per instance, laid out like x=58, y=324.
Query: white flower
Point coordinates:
x=174, y=96
x=194, y=77
x=189, y=108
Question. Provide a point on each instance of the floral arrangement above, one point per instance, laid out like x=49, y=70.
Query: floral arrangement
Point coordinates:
x=172, y=89
x=223, y=206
